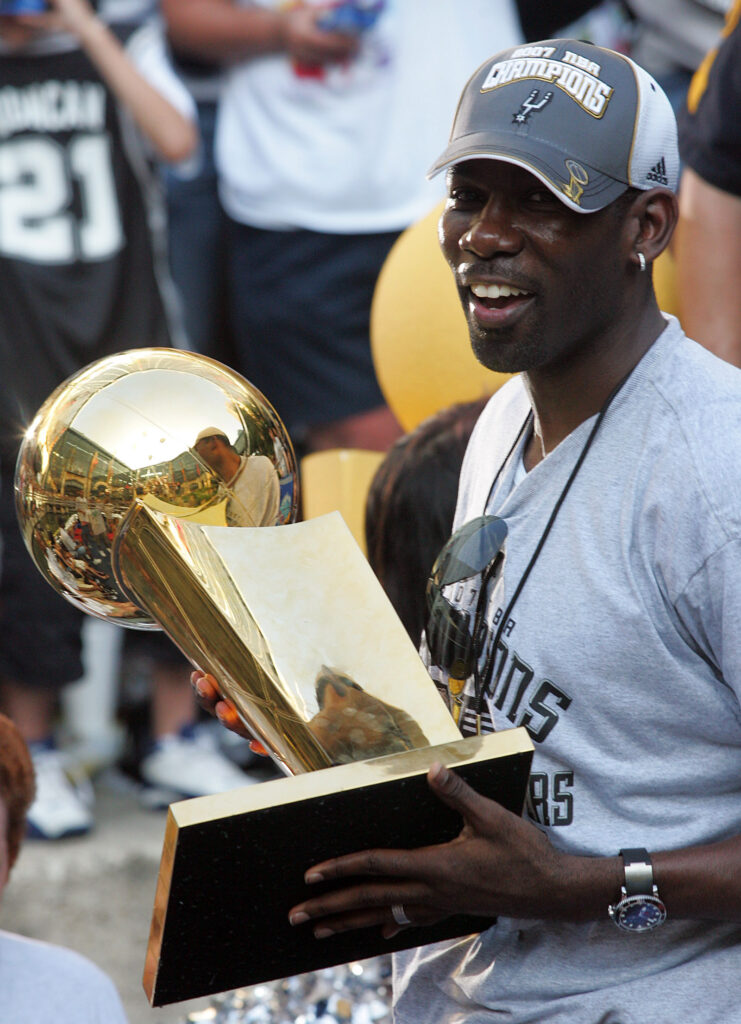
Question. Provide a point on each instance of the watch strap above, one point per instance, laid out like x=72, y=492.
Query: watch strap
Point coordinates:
x=639, y=873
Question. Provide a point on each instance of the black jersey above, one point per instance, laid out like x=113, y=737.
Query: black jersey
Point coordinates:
x=82, y=273
x=710, y=124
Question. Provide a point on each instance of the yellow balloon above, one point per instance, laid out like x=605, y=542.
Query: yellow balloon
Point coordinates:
x=419, y=338
x=665, y=283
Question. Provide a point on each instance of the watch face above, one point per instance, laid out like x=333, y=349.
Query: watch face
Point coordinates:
x=640, y=913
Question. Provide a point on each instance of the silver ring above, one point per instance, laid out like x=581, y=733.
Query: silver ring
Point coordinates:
x=397, y=912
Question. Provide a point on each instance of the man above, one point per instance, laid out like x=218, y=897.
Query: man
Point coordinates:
x=40, y=982
x=250, y=482
x=613, y=616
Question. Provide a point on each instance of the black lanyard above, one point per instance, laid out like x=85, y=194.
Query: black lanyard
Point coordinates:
x=486, y=675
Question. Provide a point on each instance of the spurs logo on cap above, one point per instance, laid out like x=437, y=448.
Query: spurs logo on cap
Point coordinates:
x=529, y=105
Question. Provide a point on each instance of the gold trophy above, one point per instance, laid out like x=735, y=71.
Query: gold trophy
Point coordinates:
x=158, y=489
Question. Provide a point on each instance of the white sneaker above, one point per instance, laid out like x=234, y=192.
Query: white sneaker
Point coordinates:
x=63, y=804
x=188, y=764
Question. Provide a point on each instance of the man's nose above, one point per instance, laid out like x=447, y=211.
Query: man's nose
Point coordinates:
x=492, y=231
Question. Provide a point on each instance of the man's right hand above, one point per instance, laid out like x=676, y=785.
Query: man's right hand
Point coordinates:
x=307, y=43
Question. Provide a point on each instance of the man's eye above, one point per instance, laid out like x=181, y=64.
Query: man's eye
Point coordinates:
x=541, y=195
x=463, y=195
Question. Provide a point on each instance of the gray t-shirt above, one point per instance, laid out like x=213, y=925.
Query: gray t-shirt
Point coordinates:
x=45, y=984
x=622, y=657
x=253, y=493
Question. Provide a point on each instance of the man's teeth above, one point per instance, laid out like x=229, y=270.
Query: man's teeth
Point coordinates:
x=495, y=291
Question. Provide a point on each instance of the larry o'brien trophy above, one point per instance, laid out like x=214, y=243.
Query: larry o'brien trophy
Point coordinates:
x=158, y=489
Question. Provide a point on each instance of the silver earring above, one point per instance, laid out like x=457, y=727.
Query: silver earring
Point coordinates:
x=642, y=262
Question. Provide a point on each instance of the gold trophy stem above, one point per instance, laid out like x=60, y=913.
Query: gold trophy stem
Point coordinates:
x=152, y=568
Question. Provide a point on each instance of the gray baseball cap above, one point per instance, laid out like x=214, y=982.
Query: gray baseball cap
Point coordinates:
x=589, y=122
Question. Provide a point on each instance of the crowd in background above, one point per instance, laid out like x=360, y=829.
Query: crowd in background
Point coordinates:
x=230, y=179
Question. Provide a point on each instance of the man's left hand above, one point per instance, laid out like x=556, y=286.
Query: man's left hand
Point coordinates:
x=498, y=864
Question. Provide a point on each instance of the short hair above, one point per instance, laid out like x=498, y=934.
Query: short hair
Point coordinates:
x=17, y=783
x=411, y=504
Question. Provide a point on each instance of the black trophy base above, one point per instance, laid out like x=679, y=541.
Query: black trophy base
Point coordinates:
x=233, y=865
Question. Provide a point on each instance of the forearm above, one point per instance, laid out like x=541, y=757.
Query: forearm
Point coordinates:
x=172, y=136
x=518, y=873
x=707, y=249
x=220, y=30
x=699, y=882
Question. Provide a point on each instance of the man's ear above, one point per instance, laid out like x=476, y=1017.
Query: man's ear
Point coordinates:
x=656, y=212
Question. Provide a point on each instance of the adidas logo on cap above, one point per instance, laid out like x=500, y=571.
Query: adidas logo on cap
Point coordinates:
x=658, y=173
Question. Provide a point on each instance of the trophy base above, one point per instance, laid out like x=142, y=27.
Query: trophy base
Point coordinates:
x=233, y=864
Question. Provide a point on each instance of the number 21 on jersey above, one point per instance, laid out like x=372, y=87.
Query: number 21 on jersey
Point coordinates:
x=39, y=179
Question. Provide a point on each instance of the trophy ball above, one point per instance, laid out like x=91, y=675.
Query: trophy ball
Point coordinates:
x=175, y=430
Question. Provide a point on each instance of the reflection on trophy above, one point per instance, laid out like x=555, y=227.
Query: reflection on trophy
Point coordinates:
x=249, y=482
x=129, y=429
x=158, y=489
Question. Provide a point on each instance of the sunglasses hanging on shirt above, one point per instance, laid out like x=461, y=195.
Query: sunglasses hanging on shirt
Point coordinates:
x=456, y=640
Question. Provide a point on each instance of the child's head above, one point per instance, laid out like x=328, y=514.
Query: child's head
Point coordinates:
x=17, y=787
x=410, y=507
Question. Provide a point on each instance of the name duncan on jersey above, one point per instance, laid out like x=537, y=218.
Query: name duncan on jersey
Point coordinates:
x=52, y=106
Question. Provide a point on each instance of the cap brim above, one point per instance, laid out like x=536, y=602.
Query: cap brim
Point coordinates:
x=546, y=163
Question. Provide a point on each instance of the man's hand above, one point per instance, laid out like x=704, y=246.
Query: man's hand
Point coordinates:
x=307, y=43
x=499, y=864
x=224, y=30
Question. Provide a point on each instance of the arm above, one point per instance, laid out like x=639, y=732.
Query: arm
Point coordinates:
x=519, y=874
x=172, y=135
x=707, y=249
x=220, y=30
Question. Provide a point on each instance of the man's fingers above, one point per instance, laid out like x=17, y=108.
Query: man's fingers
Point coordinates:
x=227, y=715
x=205, y=686
x=361, y=906
x=389, y=863
x=449, y=787
x=209, y=698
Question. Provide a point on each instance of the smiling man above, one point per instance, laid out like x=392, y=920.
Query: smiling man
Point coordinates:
x=614, y=618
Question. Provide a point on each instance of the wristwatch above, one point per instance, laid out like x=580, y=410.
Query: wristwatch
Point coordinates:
x=639, y=908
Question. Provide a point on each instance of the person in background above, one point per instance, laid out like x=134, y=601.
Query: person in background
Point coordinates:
x=196, y=223
x=410, y=508
x=39, y=982
x=85, y=110
x=707, y=245
x=321, y=141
